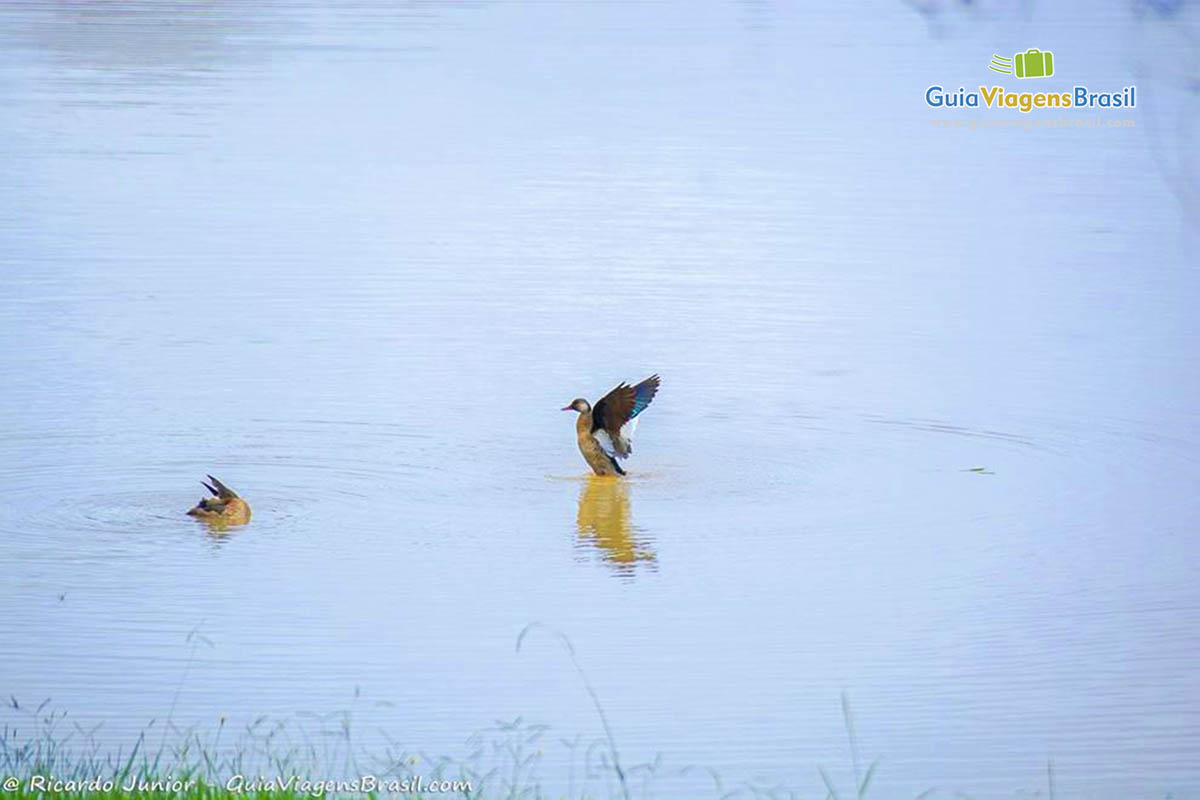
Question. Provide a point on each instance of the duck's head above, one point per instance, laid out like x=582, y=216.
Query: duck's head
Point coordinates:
x=578, y=404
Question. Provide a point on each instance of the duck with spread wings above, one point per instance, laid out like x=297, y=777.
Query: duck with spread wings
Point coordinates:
x=605, y=431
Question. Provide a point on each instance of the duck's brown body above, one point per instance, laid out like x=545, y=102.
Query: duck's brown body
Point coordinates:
x=225, y=507
x=600, y=462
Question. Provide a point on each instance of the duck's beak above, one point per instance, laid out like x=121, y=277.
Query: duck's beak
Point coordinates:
x=566, y=408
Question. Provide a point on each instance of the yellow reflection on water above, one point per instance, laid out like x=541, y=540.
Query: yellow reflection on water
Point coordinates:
x=604, y=522
x=220, y=529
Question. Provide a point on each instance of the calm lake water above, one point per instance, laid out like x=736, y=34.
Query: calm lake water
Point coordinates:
x=352, y=258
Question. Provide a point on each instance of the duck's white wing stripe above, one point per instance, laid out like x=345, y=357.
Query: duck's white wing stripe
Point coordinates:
x=625, y=435
x=605, y=441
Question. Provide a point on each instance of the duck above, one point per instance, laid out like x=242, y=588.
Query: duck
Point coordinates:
x=605, y=431
x=225, y=506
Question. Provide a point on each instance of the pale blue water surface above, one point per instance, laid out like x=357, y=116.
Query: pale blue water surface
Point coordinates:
x=352, y=257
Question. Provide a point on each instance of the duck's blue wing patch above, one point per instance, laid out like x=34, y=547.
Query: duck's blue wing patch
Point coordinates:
x=643, y=393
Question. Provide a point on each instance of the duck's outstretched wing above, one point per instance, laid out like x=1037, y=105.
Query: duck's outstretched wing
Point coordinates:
x=222, y=491
x=215, y=505
x=614, y=417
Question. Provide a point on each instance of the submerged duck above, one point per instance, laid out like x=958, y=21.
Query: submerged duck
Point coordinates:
x=605, y=431
x=225, y=506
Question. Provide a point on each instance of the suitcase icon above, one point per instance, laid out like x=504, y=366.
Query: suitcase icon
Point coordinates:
x=1034, y=63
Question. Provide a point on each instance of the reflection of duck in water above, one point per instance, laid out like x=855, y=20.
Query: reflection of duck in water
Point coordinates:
x=225, y=507
x=603, y=522
x=605, y=432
